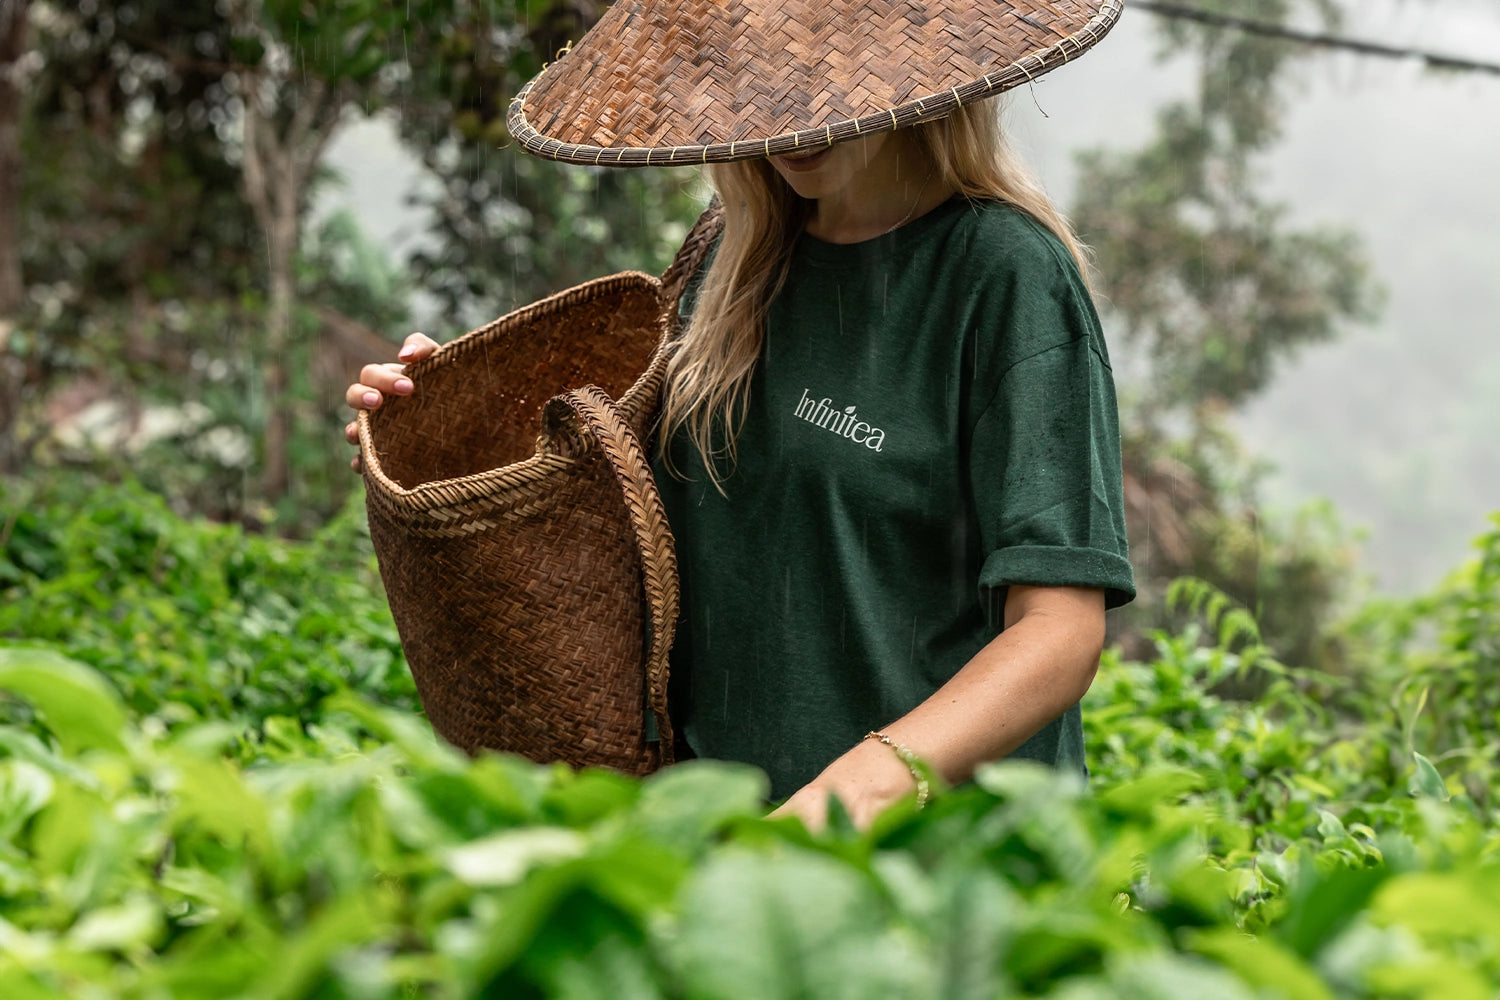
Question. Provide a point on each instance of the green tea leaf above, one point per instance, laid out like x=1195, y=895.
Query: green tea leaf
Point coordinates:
x=790, y=926
x=1432, y=979
x=133, y=924
x=1144, y=795
x=1322, y=904
x=614, y=968
x=1441, y=906
x=213, y=794
x=680, y=806
x=18, y=984
x=79, y=706
x=1166, y=976
x=584, y=798
x=305, y=958
x=24, y=790
x=1426, y=782
x=506, y=858
x=1261, y=962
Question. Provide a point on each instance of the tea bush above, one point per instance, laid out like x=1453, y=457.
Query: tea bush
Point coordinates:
x=191, y=808
x=205, y=618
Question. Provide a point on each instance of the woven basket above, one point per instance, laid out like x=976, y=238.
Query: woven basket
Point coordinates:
x=520, y=535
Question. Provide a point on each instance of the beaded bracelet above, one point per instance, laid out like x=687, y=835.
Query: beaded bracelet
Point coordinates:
x=911, y=760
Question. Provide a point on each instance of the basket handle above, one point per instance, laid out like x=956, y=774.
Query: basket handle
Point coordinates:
x=622, y=450
x=689, y=258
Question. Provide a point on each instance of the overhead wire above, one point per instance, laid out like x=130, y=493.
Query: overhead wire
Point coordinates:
x=1434, y=60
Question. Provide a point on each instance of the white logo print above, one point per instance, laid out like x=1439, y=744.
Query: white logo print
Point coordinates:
x=845, y=423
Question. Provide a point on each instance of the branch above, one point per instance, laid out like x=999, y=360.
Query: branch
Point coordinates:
x=1255, y=27
x=175, y=57
x=256, y=188
x=312, y=126
x=307, y=113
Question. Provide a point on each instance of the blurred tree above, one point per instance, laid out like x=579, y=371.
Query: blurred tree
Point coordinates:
x=1211, y=289
x=299, y=68
x=507, y=228
x=447, y=68
x=14, y=25
x=171, y=148
x=140, y=225
x=131, y=212
x=131, y=187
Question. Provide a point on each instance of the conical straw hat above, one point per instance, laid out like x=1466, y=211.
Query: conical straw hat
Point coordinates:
x=670, y=82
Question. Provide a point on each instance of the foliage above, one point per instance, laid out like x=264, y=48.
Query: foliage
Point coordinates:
x=1438, y=656
x=151, y=284
x=129, y=188
x=505, y=228
x=192, y=619
x=169, y=392
x=1202, y=275
x=1208, y=288
x=190, y=809
x=1193, y=510
x=146, y=862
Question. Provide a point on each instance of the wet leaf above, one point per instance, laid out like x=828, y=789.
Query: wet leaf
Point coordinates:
x=1426, y=781
x=506, y=858
x=80, y=708
x=789, y=926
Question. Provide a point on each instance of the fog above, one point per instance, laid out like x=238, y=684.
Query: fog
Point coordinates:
x=1395, y=423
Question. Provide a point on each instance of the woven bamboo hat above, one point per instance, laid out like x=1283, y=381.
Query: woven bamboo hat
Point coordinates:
x=670, y=82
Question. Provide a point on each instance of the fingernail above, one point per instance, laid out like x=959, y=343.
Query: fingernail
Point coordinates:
x=406, y=352
x=372, y=399
x=403, y=385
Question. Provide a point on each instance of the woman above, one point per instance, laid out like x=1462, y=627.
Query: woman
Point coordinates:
x=890, y=445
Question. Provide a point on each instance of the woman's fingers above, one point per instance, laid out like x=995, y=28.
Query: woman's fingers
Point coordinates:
x=416, y=347
x=377, y=381
x=361, y=397
x=809, y=804
x=351, y=434
x=387, y=378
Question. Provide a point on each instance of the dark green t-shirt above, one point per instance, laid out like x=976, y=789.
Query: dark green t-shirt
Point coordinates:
x=933, y=419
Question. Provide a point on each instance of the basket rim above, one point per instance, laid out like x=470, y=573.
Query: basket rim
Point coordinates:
x=527, y=472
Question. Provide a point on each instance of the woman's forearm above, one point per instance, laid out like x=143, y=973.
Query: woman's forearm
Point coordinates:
x=1028, y=675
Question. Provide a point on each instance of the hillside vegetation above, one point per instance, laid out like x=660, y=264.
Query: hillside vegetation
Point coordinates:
x=214, y=783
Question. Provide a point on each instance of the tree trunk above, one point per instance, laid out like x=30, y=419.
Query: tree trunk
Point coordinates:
x=12, y=46
x=282, y=246
x=278, y=168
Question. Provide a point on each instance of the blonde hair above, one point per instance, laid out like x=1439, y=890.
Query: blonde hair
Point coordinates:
x=713, y=359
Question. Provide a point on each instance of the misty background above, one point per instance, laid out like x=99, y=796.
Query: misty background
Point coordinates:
x=1397, y=422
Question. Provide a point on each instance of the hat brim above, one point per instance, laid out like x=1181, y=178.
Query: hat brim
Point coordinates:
x=566, y=112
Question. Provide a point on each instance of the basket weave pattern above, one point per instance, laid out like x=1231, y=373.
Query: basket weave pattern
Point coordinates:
x=527, y=561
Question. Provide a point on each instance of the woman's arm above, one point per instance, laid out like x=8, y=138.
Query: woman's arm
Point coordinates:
x=1024, y=678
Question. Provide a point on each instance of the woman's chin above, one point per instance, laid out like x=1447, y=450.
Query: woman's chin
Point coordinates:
x=801, y=163
x=804, y=174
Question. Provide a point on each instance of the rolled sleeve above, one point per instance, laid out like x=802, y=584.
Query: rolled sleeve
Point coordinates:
x=1045, y=468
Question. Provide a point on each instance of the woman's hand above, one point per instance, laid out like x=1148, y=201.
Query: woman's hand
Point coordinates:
x=380, y=380
x=1024, y=678
x=867, y=779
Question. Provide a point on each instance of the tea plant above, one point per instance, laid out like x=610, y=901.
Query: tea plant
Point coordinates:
x=196, y=807
x=193, y=619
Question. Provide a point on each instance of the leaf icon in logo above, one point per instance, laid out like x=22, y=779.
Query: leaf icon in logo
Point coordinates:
x=848, y=409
